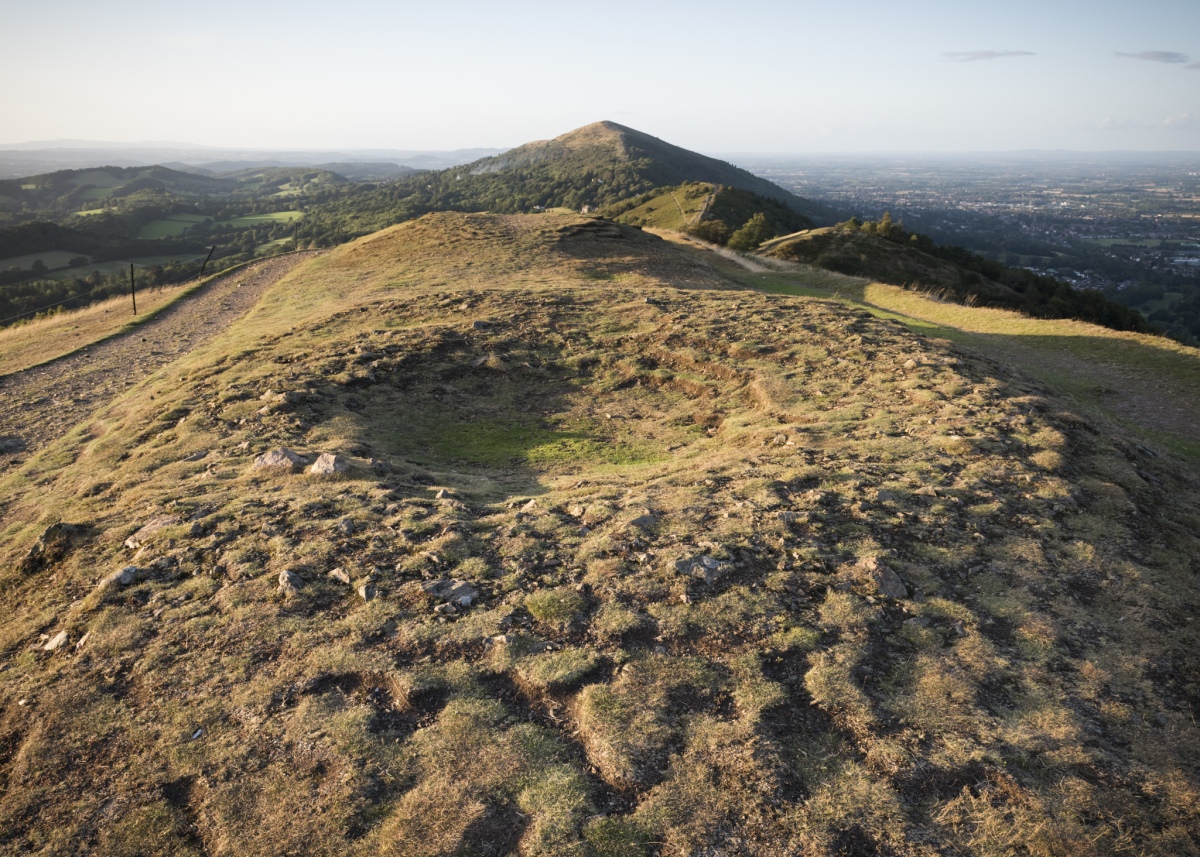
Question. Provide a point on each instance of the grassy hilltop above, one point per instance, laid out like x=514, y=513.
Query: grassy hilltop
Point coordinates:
x=636, y=553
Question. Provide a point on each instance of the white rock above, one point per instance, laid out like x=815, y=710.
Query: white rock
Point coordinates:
x=279, y=459
x=329, y=463
x=58, y=641
x=289, y=582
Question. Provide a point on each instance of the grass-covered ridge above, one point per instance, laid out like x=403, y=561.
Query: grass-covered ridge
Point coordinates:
x=886, y=252
x=749, y=573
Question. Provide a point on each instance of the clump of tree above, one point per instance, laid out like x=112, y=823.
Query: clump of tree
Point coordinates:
x=754, y=231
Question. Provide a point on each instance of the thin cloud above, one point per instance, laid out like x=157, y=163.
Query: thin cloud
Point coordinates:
x=1156, y=56
x=976, y=56
x=1112, y=124
x=1195, y=65
x=1182, y=122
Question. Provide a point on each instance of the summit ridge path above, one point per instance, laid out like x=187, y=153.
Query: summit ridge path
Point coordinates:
x=44, y=402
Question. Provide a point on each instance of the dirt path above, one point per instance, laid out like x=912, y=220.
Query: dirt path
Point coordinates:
x=40, y=404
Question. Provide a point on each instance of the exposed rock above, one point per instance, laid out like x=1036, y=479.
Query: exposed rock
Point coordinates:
x=328, y=463
x=122, y=577
x=280, y=459
x=445, y=609
x=341, y=575
x=367, y=591
x=52, y=545
x=289, y=582
x=705, y=567
x=454, y=591
x=644, y=522
x=148, y=529
x=885, y=581
x=82, y=641
x=9, y=445
x=197, y=455
x=530, y=507
x=346, y=526
x=56, y=642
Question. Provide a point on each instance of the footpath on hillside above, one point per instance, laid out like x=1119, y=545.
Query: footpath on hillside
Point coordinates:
x=42, y=403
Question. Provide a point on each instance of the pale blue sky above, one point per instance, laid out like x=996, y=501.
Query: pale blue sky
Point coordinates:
x=751, y=76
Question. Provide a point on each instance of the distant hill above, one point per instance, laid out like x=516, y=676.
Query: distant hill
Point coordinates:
x=885, y=252
x=597, y=165
x=68, y=190
x=590, y=168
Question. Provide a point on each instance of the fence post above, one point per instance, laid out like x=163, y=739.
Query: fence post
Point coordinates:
x=132, y=289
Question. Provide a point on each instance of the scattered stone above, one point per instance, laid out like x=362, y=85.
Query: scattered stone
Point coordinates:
x=644, y=522
x=197, y=455
x=885, y=581
x=328, y=463
x=280, y=459
x=123, y=577
x=530, y=507
x=445, y=609
x=82, y=640
x=452, y=591
x=367, y=591
x=503, y=639
x=340, y=574
x=148, y=529
x=9, y=445
x=289, y=582
x=910, y=364
x=346, y=526
x=442, y=494
x=711, y=569
x=56, y=642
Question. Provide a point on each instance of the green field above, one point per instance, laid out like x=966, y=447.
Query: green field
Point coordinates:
x=177, y=224
x=51, y=259
x=261, y=219
x=116, y=267
x=1125, y=242
x=170, y=227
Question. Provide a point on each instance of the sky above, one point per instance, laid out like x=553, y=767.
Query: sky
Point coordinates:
x=753, y=76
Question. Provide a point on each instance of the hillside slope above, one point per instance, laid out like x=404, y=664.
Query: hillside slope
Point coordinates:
x=626, y=559
x=884, y=251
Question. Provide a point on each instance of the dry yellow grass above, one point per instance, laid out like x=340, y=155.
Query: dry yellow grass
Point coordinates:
x=754, y=573
x=43, y=339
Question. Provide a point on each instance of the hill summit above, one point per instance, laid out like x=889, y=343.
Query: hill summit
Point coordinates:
x=540, y=535
x=636, y=160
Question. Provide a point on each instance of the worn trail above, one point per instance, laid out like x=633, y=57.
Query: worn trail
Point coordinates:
x=42, y=403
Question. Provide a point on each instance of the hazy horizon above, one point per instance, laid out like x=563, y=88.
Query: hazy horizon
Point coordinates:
x=766, y=78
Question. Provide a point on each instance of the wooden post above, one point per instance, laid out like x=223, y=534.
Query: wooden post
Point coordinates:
x=132, y=289
x=209, y=256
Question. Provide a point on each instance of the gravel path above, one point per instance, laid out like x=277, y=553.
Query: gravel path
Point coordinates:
x=40, y=404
